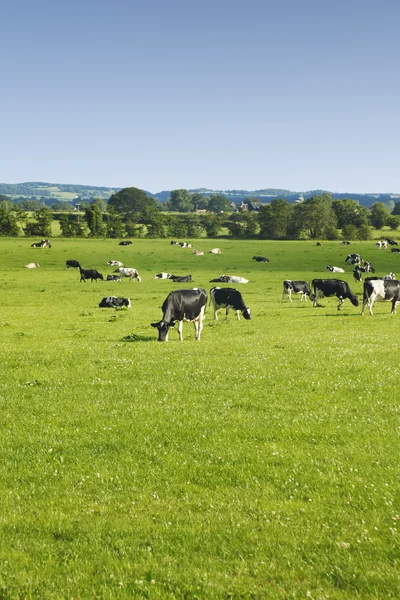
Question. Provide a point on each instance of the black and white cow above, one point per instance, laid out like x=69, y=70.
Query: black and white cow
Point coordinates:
x=229, y=279
x=163, y=276
x=357, y=274
x=115, y=263
x=181, y=278
x=228, y=298
x=128, y=272
x=380, y=290
x=334, y=269
x=72, y=264
x=91, y=274
x=125, y=243
x=41, y=244
x=179, y=306
x=382, y=245
x=395, y=250
x=114, y=302
x=297, y=287
x=112, y=277
x=353, y=259
x=391, y=242
x=345, y=243
x=333, y=287
x=260, y=259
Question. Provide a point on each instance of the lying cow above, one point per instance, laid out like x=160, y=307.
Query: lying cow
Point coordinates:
x=181, y=278
x=125, y=243
x=297, y=287
x=198, y=252
x=395, y=250
x=128, y=272
x=215, y=251
x=72, y=264
x=32, y=265
x=41, y=244
x=381, y=291
x=112, y=277
x=115, y=263
x=179, y=306
x=163, y=276
x=333, y=287
x=335, y=269
x=229, y=279
x=114, y=302
x=228, y=298
x=260, y=259
x=389, y=276
x=91, y=274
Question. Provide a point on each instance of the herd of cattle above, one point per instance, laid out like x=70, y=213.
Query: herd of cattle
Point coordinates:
x=190, y=304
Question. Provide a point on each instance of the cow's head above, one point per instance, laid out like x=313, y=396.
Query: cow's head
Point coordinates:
x=163, y=329
x=246, y=313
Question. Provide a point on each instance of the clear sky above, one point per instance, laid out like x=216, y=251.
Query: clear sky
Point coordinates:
x=296, y=94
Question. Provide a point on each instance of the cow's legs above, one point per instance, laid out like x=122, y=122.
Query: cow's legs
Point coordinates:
x=340, y=302
x=316, y=297
x=180, y=329
x=394, y=302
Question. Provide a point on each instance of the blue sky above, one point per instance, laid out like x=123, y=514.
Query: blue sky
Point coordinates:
x=224, y=95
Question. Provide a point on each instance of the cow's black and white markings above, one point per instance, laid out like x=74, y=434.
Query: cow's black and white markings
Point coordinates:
x=72, y=264
x=112, y=277
x=260, y=259
x=179, y=306
x=128, y=272
x=228, y=298
x=291, y=286
x=114, y=302
x=115, y=263
x=334, y=269
x=181, y=278
x=333, y=287
x=229, y=279
x=380, y=290
x=91, y=274
x=41, y=244
x=353, y=259
x=395, y=250
x=163, y=275
x=125, y=243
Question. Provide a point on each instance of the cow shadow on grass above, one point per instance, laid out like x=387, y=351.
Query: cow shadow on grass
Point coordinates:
x=338, y=314
x=134, y=337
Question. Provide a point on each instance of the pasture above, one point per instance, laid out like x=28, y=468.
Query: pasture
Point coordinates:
x=261, y=462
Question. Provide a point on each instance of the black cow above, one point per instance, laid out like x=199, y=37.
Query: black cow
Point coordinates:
x=228, y=298
x=182, y=305
x=395, y=250
x=73, y=264
x=333, y=287
x=391, y=242
x=125, y=243
x=260, y=259
x=91, y=274
x=114, y=302
x=181, y=279
x=380, y=290
x=297, y=287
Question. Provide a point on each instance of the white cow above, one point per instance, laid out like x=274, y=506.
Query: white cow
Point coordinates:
x=115, y=263
x=382, y=245
x=162, y=275
x=215, y=251
x=32, y=265
x=198, y=253
x=335, y=269
x=128, y=272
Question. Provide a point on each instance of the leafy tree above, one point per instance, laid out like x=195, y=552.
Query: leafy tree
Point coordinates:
x=176, y=227
x=315, y=216
x=180, y=201
x=218, y=204
x=212, y=224
x=130, y=203
x=396, y=209
x=8, y=221
x=101, y=203
x=199, y=201
x=114, y=225
x=393, y=221
x=4, y=198
x=243, y=225
x=274, y=219
x=349, y=212
x=155, y=225
x=379, y=215
x=94, y=219
x=41, y=225
x=31, y=205
x=62, y=206
x=71, y=228
x=364, y=232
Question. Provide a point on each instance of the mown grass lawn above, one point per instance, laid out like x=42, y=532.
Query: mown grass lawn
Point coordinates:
x=262, y=462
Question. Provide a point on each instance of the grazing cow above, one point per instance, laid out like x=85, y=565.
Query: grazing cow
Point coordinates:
x=391, y=242
x=115, y=263
x=395, y=250
x=215, y=251
x=367, y=268
x=114, y=302
x=229, y=279
x=260, y=259
x=163, y=276
x=380, y=291
x=32, y=266
x=389, y=276
x=182, y=305
x=345, y=243
x=353, y=259
x=91, y=274
x=125, y=243
x=112, y=277
x=318, y=244
x=185, y=245
x=357, y=274
x=72, y=264
x=335, y=269
x=228, y=298
x=333, y=287
x=297, y=287
x=181, y=278
x=128, y=272
x=382, y=245
x=173, y=243
x=198, y=252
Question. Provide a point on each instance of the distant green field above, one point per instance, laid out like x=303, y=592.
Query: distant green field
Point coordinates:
x=260, y=462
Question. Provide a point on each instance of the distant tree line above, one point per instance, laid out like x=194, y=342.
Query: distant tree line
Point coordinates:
x=131, y=212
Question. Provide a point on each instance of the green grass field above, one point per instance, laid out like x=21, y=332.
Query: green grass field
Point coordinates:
x=261, y=462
